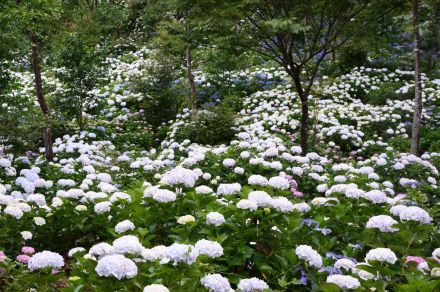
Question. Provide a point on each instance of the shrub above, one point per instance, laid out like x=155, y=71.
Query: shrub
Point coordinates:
x=387, y=91
x=211, y=126
x=430, y=139
x=351, y=57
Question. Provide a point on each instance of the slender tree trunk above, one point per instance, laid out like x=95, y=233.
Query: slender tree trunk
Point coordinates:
x=334, y=51
x=417, y=81
x=47, y=131
x=80, y=112
x=190, y=76
x=315, y=123
x=294, y=74
x=304, y=123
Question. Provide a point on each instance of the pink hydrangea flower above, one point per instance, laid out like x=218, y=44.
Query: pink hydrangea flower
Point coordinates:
x=298, y=194
x=23, y=258
x=2, y=256
x=28, y=250
x=415, y=259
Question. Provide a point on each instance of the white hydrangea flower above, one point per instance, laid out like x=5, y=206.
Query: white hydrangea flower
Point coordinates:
x=344, y=282
x=156, y=288
x=297, y=171
x=180, y=176
x=436, y=254
x=382, y=222
x=81, y=208
x=185, y=219
x=364, y=275
x=75, y=250
x=127, y=244
x=45, y=259
x=252, y=285
x=323, y=201
x=40, y=221
x=322, y=188
x=245, y=154
x=66, y=183
x=397, y=209
x=382, y=255
x=210, y=248
x=101, y=249
x=203, y=190
x=229, y=162
x=215, y=218
x=178, y=252
x=116, y=265
x=247, y=205
x=57, y=202
x=271, y=152
x=228, y=189
x=302, y=207
x=104, y=177
x=282, y=204
x=38, y=199
x=164, y=196
x=399, y=166
x=124, y=226
x=14, y=211
x=158, y=252
x=26, y=235
x=414, y=213
x=119, y=196
x=344, y=264
x=216, y=283
x=257, y=179
x=311, y=256
x=279, y=182
x=102, y=207
x=5, y=163
x=435, y=272
x=262, y=198
x=376, y=196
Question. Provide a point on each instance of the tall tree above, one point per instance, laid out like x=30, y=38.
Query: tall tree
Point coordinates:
x=80, y=73
x=430, y=37
x=47, y=130
x=415, y=137
x=179, y=34
x=297, y=34
x=30, y=19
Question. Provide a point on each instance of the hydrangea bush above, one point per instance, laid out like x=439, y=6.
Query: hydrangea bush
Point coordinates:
x=250, y=215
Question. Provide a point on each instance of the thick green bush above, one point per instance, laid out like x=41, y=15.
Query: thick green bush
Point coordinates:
x=387, y=91
x=212, y=126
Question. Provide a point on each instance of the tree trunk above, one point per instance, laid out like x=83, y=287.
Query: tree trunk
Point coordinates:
x=190, y=76
x=47, y=137
x=334, y=51
x=304, y=123
x=417, y=81
x=47, y=132
x=295, y=75
x=80, y=112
